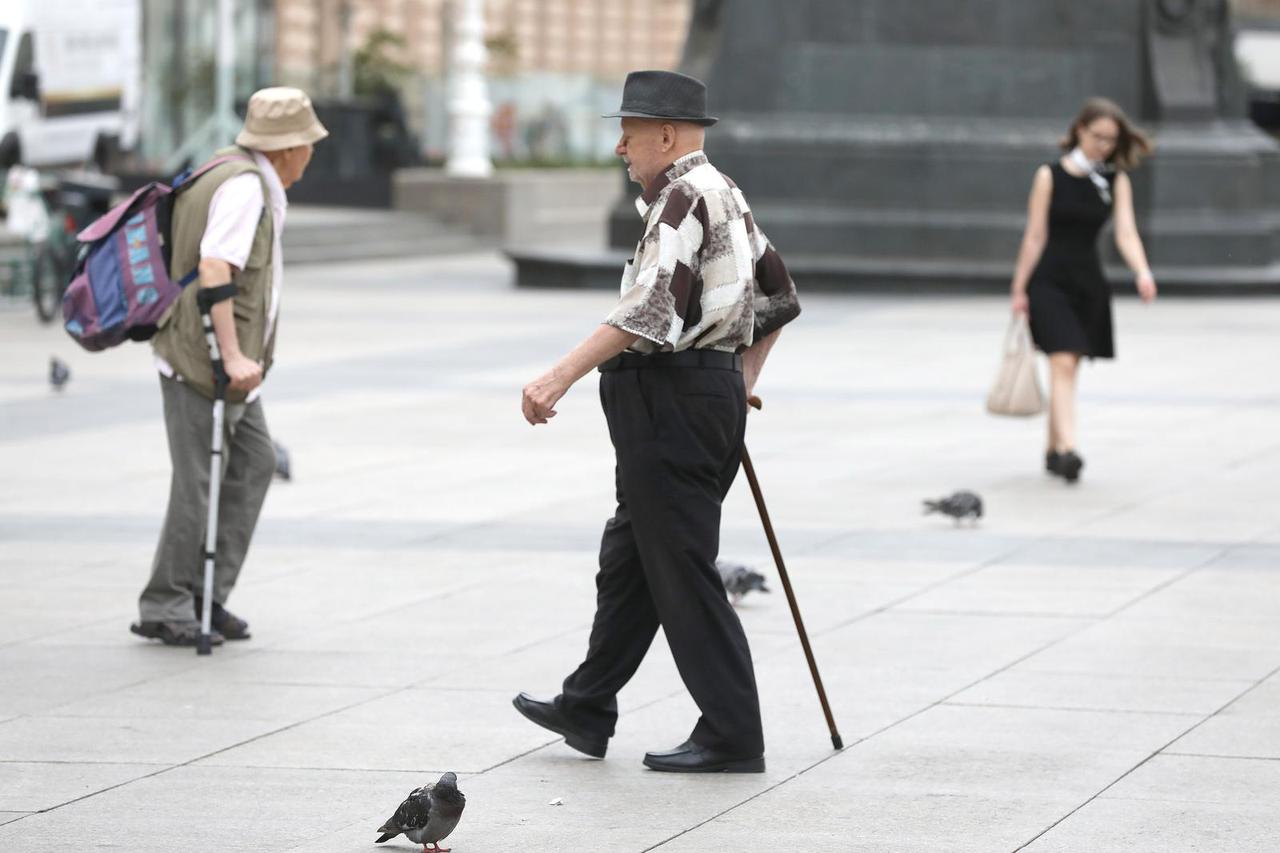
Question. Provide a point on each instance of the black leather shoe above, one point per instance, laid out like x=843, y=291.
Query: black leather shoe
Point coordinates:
x=688, y=757
x=547, y=715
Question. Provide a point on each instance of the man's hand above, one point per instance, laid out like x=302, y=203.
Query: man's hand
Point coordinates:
x=540, y=396
x=245, y=374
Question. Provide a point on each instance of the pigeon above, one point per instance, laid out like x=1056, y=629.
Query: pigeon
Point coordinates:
x=960, y=505
x=282, y=461
x=739, y=580
x=59, y=373
x=427, y=815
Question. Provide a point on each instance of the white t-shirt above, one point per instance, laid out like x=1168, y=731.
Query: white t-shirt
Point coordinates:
x=228, y=236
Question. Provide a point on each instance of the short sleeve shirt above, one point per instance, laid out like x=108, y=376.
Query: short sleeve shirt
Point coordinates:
x=703, y=275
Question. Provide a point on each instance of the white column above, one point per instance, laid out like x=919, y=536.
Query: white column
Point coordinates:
x=227, y=124
x=469, y=106
x=346, y=69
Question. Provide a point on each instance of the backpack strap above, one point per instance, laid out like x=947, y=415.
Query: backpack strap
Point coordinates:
x=187, y=178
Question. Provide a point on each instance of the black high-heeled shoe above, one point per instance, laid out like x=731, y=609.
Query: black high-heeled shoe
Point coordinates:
x=1051, y=461
x=1068, y=466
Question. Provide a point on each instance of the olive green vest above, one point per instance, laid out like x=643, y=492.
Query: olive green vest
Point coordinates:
x=180, y=338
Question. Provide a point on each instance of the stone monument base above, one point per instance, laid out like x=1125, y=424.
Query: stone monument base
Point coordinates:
x=515, y=207
x=918, y=204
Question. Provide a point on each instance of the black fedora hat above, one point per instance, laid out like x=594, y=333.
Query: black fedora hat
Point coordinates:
x=664, y=94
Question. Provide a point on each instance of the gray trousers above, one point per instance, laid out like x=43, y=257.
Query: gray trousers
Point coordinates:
x=177, y=573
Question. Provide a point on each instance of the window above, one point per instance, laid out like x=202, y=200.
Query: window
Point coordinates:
x=24, y=70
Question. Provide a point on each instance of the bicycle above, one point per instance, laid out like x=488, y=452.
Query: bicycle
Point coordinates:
x=73, y=201
x=54, y=259
x=64, y=205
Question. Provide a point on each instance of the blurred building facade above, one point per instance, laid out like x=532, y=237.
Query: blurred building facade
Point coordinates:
x=598, y=38
x=554, y=65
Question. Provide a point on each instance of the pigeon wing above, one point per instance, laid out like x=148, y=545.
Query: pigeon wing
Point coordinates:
x=413, y=813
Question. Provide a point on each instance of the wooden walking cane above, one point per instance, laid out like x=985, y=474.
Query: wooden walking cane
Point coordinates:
x=836, y=741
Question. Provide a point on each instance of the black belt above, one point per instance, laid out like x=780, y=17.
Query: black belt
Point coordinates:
x=708, y=358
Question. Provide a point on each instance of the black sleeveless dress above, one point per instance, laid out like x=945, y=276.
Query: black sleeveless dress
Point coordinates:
x=1070, y=300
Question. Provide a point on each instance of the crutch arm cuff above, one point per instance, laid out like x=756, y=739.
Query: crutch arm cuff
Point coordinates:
x=207, y=297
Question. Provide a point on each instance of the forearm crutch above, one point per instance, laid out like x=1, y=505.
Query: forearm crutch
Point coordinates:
x=206, y=299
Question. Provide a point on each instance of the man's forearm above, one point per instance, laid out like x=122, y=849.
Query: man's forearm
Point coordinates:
x=600, y=346
x=754, y=357
x=224, y=328
x=213, y=273
x=539, y=397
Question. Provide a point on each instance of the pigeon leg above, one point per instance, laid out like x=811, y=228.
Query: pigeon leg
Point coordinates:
x=433, y=847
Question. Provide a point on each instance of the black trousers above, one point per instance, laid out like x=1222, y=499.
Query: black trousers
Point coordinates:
x=677, y=433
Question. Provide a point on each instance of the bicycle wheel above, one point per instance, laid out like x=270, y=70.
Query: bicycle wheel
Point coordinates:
x=48, y=281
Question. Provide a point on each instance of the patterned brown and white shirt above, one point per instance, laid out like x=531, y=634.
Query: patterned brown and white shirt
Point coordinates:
x=703, y=275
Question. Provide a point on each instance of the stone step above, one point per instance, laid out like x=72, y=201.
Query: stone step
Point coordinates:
x=551, y=268
x=444, y=244
x=315, y=234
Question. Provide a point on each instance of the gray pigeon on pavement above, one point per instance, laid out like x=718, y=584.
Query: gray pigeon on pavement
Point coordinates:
x=59, y=373
x=960, y=505
x=427, y=815
x=283, y=469
x=739, y=580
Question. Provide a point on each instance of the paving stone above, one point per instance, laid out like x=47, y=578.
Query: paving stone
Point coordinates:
x=434, y=555
x=220, y=808
x=38, y=786
x=1107, y=825
x=1022, y=687
x=1248, y=728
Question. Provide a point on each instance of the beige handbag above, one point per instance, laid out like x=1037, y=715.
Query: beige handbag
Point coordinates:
x=1017, y=388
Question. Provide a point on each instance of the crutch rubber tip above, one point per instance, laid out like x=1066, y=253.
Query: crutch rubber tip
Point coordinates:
x=204, y=645
x=837, y=742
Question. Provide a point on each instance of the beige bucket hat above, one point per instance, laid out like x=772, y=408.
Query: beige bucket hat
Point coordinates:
x=280, y=117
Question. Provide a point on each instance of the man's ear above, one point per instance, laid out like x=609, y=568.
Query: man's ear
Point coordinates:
x=668, y=137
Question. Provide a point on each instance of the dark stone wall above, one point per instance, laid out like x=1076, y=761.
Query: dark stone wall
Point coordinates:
x=990, y=58
x=890, y=134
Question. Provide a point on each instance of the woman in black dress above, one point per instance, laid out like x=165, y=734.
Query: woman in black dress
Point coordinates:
x=1058, y=281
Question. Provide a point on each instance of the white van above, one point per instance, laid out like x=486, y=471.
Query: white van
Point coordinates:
x=70, y=79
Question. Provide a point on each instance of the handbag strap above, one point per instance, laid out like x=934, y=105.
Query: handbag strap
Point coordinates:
x=1017, y=338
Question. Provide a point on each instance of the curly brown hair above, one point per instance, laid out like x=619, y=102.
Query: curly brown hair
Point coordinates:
x=1131, y=146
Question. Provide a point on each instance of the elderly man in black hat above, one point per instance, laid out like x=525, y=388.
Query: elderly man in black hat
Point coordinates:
x=702, y=303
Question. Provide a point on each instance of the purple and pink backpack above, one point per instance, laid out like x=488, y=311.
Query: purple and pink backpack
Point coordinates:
x=121, y=286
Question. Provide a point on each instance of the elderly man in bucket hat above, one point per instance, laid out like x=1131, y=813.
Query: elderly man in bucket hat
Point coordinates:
x=702, y=303
x=226, y=225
